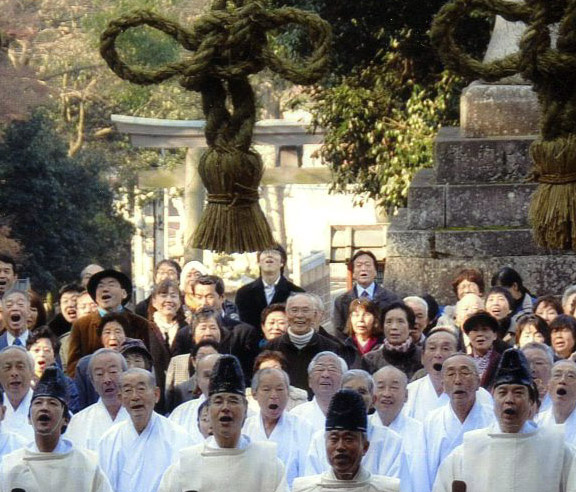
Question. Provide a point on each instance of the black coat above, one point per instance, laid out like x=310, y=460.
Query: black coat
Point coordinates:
x=408, y=362
x=298, y=360
x=382, y=298
x=251, y=299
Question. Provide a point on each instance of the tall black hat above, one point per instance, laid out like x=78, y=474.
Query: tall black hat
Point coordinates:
x=513, y=369
x=347, y=411
x=52, y=384
x=124, y=281
x=227, y=377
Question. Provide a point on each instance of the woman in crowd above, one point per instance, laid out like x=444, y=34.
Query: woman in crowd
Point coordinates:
x=548, y=307
x=468, y=281
x=43, y=345
x=274, y=322
x=531, y=328
x=165, y=311
x=397, y=349
x=499, y=303
x=569, y=300
x=363, y=330
x=563, y=335
x=482, y=330
x=37, y=311
x=511, y=280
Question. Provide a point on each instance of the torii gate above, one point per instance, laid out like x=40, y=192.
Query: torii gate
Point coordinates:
x=161, y=133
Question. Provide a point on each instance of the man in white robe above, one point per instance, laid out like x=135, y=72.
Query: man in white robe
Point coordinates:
x=385, y=454
x=346, y=443
x=562, y=390
x=227, y=461
x=291, y=434
x=444, y=427
x=324, y=378
x=9, y=441
x=135, y=453
x=50, y=463
x=16, y=372
x=186, y=414
x=390, y=395
x=427, y=394
x=89, y=425
x=514, y=455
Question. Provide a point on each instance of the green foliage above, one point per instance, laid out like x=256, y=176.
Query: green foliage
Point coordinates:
x=380, y=127
x=59, y=208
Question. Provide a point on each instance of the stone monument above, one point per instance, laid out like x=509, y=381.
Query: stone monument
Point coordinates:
x=471, y=209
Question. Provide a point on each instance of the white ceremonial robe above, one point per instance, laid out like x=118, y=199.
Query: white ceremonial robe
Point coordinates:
x=534, y=460
x=16, y=420
x=311, y=413
x=292, y=437
x=364, y=481
x=10, y=441
x=384, y=456
x=412, y=433
x=203, y=468
x=443, y=432
x=422, y=398
x=546, y=419
x=75, y=470
x=135, y=462
x=186, y=415
x=87, y=427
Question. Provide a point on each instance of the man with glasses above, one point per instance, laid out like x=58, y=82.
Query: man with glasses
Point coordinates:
x=444, y=427
x=301, y=343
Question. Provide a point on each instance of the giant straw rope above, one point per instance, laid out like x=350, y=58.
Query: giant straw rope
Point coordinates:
x=552, y=71
x=227, y=45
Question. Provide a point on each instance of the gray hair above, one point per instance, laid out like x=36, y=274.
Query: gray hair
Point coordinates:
x=318, y=302
x=542, y=347
x=307, y=295
x=358, y=374
x=28, y=355
x=150, y=378
x=564, y=361
x=319, y=355
x=268, y=370
x=417, y=300
x=104, y=351
x=568, y=292
x=462, y=354
x=11, y=292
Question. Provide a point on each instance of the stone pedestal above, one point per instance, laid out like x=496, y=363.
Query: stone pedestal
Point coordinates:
x=471, y=211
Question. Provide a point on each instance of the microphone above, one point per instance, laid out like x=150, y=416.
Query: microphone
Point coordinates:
x=458, y=486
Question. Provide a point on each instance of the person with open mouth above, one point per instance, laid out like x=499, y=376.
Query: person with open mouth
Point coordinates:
x=562, y=391
x=67, y=302
x=273, y=423
x=539, y=454
x=50, y=462
x=227, y=460
x=346, y=442
x=42, y=344
x=15, y=314
x=444, y=427
x=7, y=273
x=136, y=452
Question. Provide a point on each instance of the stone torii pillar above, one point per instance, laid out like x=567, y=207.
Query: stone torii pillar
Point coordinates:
x=160, y=133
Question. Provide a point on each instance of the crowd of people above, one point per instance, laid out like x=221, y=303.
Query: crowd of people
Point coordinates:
x=188, y=390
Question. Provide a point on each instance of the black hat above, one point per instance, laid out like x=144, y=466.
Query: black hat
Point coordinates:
x=125, y=283
x=347, y=411
x=227, y=377
x=513, y=369
x=52, y=384
x=481, y=319
x=135, y=345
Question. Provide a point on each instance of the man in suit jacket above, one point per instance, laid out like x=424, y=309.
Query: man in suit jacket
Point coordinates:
x=270, y=288
x=363, y=266
x=111, y=289
x=16, y=309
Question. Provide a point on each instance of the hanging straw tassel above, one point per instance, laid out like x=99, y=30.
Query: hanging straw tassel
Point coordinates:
x=232, y=219
x=553, y=207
